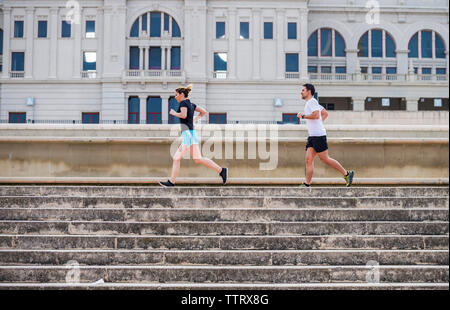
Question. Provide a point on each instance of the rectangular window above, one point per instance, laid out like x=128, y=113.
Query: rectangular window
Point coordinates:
x=90, y=118
x=154, y=110
x=217, y=118
x=312, y=69
x=175, y=59
x=441, y=70
x=166, y=22
x=18, y=29
x=18, y=61
x=291, y=62
x=326, y=69
x=377, y=43
x=173, y=104
x=18, y=117
x=155, y=58
x=268, y=30
x=133, y=110
x=312, y=45
x=42, y=29
x=426, y=70
x=364, y=70
x=292, y=31
x=244, y=30
x=438, y=103
x=290, y=118
x=90, y=29
x=89, y=61
x=1, y=42
x=134, y=58
x=155, y=24
x=220, y=62
x=427, y=44
x=376, y=70
x=391, y=70
x=66, y=29
x=341, y=70
x=220, y=30
x=326, y=42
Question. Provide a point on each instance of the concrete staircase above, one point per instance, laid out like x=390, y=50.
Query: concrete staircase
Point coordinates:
x=69, y=237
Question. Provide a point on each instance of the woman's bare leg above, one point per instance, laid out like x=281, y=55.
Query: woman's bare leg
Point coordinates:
x=196, y=154
x=182, y=150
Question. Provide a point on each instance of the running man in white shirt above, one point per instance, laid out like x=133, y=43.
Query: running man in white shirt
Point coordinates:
x=317, y=144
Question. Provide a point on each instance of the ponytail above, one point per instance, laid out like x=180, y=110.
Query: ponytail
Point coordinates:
x=184, y=90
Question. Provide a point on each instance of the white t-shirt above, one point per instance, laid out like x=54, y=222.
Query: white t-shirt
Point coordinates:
x=315, y=126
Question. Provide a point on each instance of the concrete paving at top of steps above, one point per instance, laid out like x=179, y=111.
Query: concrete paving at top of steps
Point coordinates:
x=224, y=274
x=224, y=286
x=249, y=215
x=224, y=257
x=223, y=202
x=238, y=242
x=216, y=191
x=224, y=228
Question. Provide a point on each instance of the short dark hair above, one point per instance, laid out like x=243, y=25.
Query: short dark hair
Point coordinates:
x=311, y=88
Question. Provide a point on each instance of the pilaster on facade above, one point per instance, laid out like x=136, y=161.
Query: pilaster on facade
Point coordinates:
x=280, y=13
x=232, y=53
x=304, y=44
x=6, y=42
x=256, y=12
x=29, y=12
x=77, y=54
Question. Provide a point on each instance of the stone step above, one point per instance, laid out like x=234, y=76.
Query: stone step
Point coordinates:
x=249, y=215
x=223, y=228
x=224, y=274
x=223, y=202
x=220, y=257
x=201, y=191
x=375, y=242
x=224, y=286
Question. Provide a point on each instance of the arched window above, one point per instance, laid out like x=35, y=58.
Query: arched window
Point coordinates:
x=154, y=24
x=376, y=43
x=332, y=44
x=426, y=44
x=144, y=45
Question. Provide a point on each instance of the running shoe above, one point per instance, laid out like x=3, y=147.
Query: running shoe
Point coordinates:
x=349, y=178
x=224, y=175
x=167, y=184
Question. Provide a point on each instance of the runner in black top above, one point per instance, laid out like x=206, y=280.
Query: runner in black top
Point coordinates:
x=190, y=138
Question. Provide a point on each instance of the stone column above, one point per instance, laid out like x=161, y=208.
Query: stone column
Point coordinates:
x=256, y=43
x=231, y=64
x=163, y=58
x=412, y=104
x=146, y=62
x=304, y=44
x=53, y=42
x=141, y=57
x=143, y=109
x=99, y=35
x=165, y=108
x=280, y=44
x=6, y=42
x=29, y=24
x=358, y=104
x=169, y=58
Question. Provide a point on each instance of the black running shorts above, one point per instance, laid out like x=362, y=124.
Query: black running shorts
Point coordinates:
x=319, y=144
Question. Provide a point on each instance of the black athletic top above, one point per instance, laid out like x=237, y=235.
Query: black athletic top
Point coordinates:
x=188, y=122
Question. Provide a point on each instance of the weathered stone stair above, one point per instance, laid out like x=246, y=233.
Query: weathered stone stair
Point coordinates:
x=223, y=237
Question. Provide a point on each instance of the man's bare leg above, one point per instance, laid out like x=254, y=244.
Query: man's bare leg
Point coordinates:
x=331, y=162
x=310, y=155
